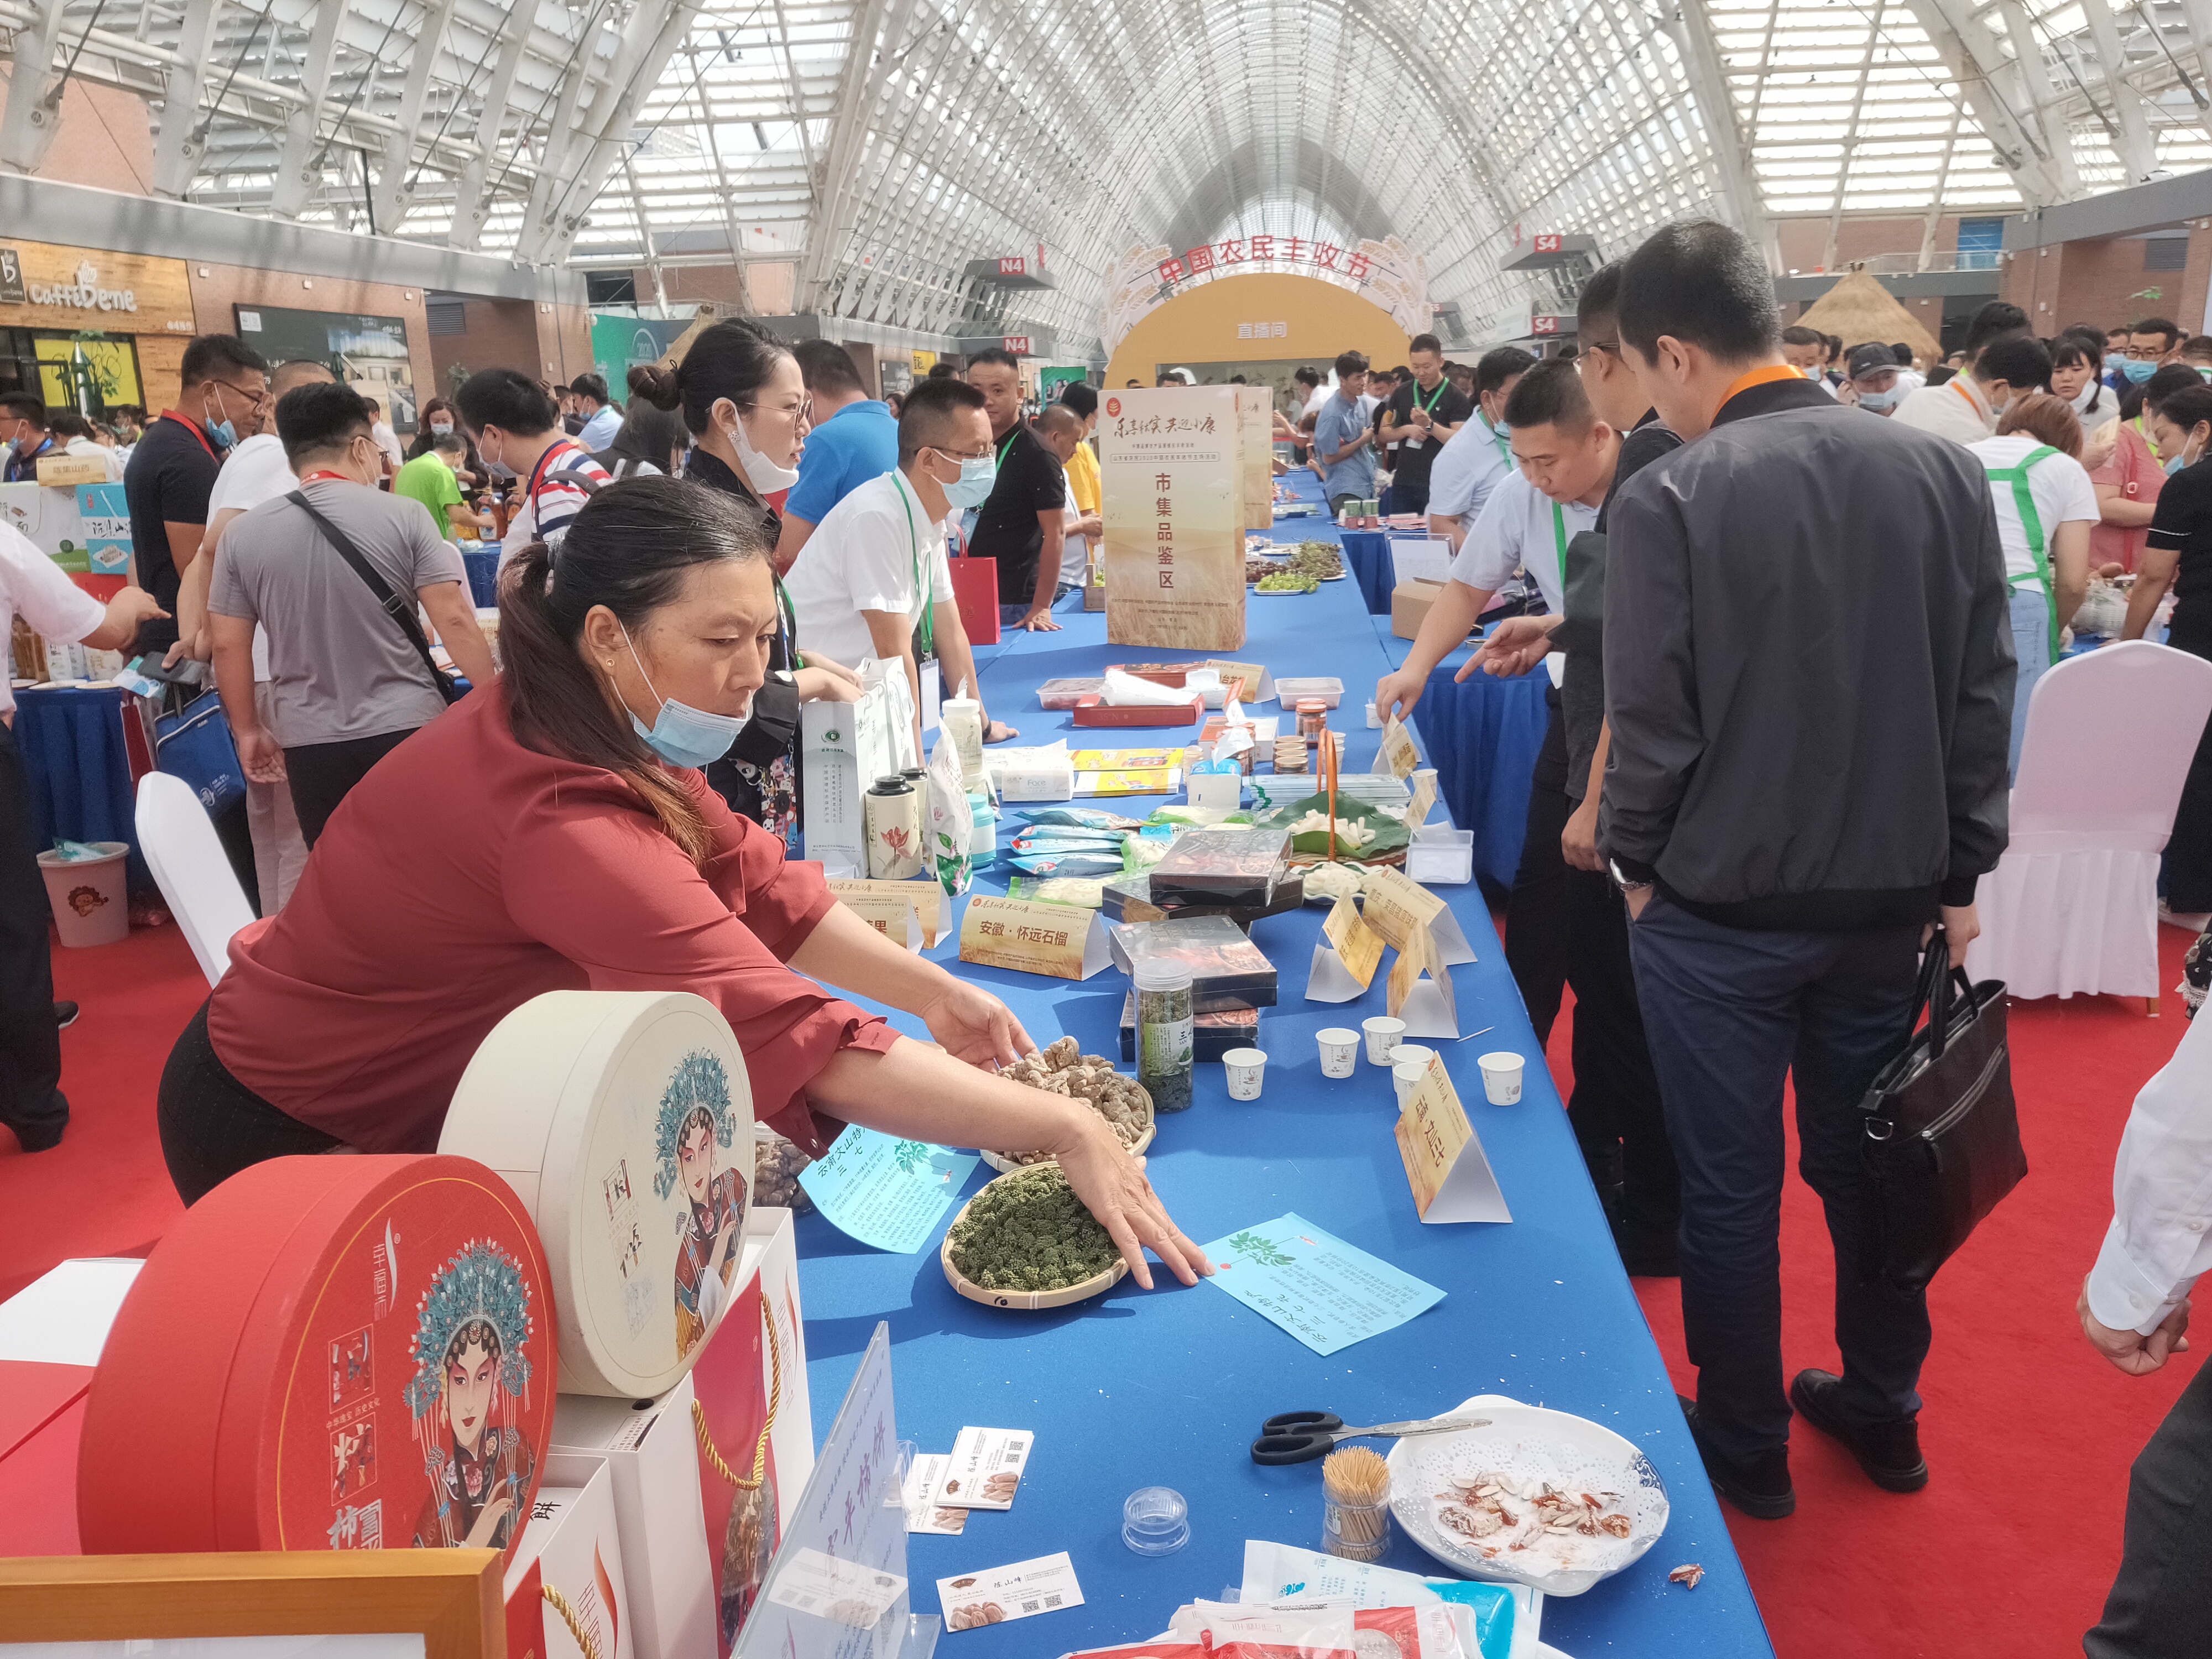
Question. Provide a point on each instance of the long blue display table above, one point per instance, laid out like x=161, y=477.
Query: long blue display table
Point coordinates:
x=1139, y=1389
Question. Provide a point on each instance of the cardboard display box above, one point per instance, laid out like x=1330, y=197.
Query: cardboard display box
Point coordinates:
x=1409, y=606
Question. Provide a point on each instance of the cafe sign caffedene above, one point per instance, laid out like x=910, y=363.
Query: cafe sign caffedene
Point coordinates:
x=85, y=295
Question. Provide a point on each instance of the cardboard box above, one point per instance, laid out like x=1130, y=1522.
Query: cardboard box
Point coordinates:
x=653, y=1465
x=1409, y=606
x=570, y=1547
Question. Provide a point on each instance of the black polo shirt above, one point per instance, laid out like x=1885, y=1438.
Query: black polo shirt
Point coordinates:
x=1447, y=406
x=168, y=481
x=1031, y=482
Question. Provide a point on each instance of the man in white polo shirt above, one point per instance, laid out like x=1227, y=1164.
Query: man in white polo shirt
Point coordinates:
x=874, y=581
x=1566, y=457
x=1478, y=458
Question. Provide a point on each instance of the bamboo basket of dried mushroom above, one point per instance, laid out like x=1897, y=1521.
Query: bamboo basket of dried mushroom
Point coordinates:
x=1030, y=1245
x=1063, y=1069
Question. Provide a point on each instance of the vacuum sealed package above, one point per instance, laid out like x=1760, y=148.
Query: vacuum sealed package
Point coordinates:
x=1079, y=817
x=952, y=821
x=1223, y=964
x=1066, y=864
x=1221, y=866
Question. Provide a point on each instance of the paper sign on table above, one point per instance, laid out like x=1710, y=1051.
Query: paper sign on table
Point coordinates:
x=1325, y=1292
x=1425, y=798
x=885, y=1192
x=1344, y=957
x=876, y=903
x=986, y=1468
x=1259, y=684
x=1033, y=937
x=891, y=913
x=923, y=1512
x=1420, y=558
x=1396, y=754
x=1445, y=1164
x=1420, y=988
x=1393, y=901
x=999, y=1594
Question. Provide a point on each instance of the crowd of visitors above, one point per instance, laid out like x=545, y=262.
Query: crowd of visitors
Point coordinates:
x=1738, y=888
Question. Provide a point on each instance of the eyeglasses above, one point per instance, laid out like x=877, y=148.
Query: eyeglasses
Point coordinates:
x=2149, y=354
x=253, y=399
x=1614, y=346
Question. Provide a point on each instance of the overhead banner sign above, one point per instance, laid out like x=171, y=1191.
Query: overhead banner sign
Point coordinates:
x=1140, y=279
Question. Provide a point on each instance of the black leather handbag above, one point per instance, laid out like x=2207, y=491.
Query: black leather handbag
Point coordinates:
x=1942, y=1135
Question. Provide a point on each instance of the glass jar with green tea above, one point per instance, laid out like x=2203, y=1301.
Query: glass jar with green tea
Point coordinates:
x=1165, y=1032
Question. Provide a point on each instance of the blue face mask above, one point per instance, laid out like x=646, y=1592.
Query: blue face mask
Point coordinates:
x=2136, y=371
x=1879, y=401
x=972, y=487
x=680, y=734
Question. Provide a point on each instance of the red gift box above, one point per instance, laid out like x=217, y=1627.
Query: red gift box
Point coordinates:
x=975, y=591
x=326, y=1354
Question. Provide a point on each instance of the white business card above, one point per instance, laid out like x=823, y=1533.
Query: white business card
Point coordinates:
x=923, y=1512
x=843, y=1592
x=986, y=1468
x=999, y=1594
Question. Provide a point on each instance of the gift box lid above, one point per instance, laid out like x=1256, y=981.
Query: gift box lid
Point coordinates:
x=326, y=1354
x=625, y=1120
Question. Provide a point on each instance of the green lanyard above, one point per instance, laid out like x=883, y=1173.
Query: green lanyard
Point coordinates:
x=913, y=540
x=788, y=614
x=2024, y=499
x=1433, y=396
x=1560, y=540
x=1009, y=444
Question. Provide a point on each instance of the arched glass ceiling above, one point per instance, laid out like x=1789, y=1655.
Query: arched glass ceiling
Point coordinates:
x=855, y=156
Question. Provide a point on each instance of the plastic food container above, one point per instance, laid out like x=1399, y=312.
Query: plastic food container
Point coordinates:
x=1442, y=857
x=1327, y=691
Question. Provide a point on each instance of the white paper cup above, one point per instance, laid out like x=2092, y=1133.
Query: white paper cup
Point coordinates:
x=1411, y=1053
x=1383, y=1034
x=1501, y=1078
x=1407, y=1076
x=1339, y=1051
x=1244, y=1068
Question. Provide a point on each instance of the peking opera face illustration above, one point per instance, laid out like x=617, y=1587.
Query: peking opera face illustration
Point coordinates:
x=696, y=1129
x=471, y=1366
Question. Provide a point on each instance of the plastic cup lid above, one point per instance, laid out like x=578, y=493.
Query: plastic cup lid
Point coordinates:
x=1152, y=976
x=1155, y=1520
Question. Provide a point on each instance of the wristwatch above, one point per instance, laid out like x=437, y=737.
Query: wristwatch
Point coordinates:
x=1621, y=880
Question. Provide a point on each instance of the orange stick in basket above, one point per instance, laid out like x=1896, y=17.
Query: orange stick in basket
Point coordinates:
x=1328, y=776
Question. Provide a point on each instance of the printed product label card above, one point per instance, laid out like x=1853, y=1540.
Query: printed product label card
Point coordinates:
x=1032, y=937
x=999, y=1594
x=1327, y=1293
x=986, y=1468
x=844, y=1592
x=885, y=1191
x=923, y=1512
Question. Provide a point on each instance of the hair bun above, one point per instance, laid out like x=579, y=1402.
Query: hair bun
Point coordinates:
x=656, y=384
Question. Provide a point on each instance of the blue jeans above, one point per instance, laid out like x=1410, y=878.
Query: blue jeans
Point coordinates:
x=1729, y=1013
x=2030, y=643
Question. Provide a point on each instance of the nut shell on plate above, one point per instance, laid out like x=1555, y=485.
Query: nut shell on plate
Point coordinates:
x=624, y=1120
x=327, y=1353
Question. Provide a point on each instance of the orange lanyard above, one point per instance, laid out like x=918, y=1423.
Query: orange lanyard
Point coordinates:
x=1766, y=376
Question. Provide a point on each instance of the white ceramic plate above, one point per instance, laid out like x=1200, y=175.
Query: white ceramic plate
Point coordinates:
x=1526, y=1442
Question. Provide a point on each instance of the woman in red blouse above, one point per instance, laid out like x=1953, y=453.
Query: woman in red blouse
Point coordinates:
x=551, y=832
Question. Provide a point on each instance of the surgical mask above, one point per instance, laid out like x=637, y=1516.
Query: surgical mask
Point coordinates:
x=441, y=428
x=499, y=469
x=978, y=474
x=2184, y=460
x=224, y=434
x=680, y=734
x=1879, y=401
x=766, y=475
x=2136, y=370
x=2087, y=395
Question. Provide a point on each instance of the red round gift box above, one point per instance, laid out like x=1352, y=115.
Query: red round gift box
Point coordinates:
x=262, y=1388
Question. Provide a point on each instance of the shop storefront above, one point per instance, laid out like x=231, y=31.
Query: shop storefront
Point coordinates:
x=90, y=329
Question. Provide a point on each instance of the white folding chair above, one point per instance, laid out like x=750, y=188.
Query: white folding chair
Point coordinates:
x=2072, y=907
x=194, y=873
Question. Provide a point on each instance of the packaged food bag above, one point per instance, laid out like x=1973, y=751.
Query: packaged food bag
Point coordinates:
x=951, y=823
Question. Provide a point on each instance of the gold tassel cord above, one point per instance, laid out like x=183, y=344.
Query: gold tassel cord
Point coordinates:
x=559, y=1603
x=775, y=1404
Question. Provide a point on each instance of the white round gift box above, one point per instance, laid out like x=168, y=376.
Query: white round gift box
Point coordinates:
x=623, y=1121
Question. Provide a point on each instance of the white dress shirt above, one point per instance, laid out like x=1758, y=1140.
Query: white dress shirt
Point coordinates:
x=2160, y=1238
x=1956, y=410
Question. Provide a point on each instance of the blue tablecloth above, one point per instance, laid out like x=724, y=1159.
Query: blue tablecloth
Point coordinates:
x=75, y=755
x=1168, y=1388
x=1486, y=732
x=483, y=574
x=1367, y=554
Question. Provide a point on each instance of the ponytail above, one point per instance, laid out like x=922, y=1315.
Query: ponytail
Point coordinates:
x=629, y=549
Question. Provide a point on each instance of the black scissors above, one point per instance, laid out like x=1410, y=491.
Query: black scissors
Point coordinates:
x=1301, y=1436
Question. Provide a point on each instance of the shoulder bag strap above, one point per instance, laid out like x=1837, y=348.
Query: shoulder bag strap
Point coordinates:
x=400, y=610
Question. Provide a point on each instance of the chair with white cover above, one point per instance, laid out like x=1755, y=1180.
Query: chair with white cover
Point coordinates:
x=2072, y=906
x=195, y=875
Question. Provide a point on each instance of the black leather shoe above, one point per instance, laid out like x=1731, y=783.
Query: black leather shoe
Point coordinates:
x=1889, y=1452
x=64, y=1014
x=1760, y=1489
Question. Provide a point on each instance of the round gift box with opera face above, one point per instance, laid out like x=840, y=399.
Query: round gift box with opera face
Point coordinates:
x=624, y=1120
x=327, y=1353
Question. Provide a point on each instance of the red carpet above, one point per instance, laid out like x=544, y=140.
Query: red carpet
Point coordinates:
x=2006, y=1555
